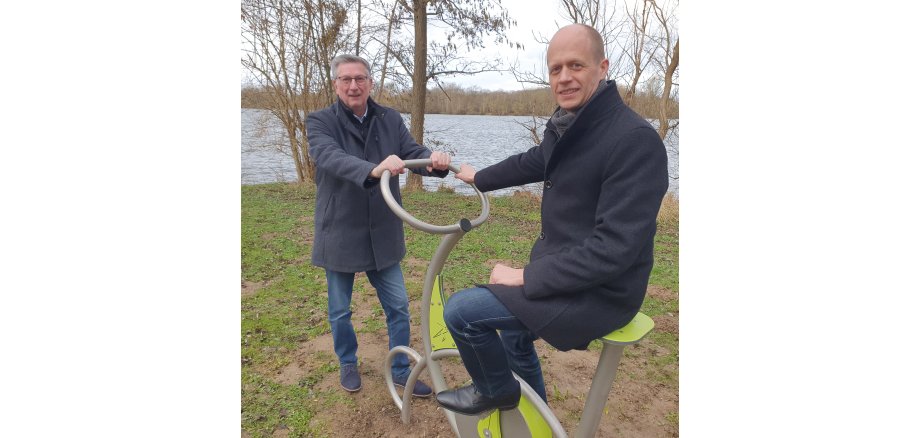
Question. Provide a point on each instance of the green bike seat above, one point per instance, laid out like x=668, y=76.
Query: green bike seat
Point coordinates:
x=631, y=333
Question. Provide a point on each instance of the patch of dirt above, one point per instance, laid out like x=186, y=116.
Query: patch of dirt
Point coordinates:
x=636, y=407
x=667, y=322
x=415, y=263
x=660, y=293
x=414, y=272
x=633, y=409
x=373, y=413
x=249, y=288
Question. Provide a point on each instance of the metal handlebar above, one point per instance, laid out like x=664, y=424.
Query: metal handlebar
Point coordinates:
x=463, y=224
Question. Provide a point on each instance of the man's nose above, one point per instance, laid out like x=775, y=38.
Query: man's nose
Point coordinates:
x=565, y=74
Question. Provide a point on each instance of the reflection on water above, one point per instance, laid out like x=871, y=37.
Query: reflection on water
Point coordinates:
x=478, y=140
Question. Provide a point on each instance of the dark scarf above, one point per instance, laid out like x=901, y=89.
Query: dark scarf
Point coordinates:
x=562, y=119
x=363, y=127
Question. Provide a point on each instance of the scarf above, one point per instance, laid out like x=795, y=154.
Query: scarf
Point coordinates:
x=563, y=119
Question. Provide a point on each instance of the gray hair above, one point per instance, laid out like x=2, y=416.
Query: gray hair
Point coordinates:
x=348, y=59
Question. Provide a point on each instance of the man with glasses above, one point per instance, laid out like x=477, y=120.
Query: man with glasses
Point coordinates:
x=352, y=142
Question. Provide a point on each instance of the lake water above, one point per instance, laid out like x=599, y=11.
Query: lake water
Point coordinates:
x=478, y=140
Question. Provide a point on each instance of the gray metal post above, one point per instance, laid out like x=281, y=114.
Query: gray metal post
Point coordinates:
x=452, y=234
x=600, y=389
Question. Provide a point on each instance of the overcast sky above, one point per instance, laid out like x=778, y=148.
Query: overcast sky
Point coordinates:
x=533, y=17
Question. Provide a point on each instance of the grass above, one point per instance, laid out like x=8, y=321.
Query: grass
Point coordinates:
x=288, y=307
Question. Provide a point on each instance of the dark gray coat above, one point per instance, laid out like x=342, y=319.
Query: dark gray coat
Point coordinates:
x=354, y=229
x=604, y=181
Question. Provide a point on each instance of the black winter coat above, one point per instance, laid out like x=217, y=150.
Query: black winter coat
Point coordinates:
x=354, y=229
x=603, y=185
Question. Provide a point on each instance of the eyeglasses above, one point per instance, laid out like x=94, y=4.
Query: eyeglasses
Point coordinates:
x=359, y=80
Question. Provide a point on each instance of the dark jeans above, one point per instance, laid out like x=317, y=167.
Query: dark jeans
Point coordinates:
x=473, y=316
x=391, y=290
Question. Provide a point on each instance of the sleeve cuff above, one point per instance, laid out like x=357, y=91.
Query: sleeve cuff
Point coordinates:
x=370, y=182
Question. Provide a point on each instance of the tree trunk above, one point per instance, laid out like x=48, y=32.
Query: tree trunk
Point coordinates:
x=666, y=94
x=639, y=34
x=386, y=52
x=358, y=38
x=305, y=161
x=295, y=153
x=419, y=82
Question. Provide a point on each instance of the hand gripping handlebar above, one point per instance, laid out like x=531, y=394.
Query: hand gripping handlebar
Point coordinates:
x=463, y=224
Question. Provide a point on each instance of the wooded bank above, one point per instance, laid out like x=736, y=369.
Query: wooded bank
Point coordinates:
x=457, y=100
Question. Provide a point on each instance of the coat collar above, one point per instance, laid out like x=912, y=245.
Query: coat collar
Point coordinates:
x=346, y=116
x=373, y=108
x=598, y=107
x=600, y=103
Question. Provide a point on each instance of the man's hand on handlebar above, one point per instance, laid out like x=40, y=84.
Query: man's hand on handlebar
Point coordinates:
x=506, y=275
x=467, y=174
x=392, y=163
x=439, y=161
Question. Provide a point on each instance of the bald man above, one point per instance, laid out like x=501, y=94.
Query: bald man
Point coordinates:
x=604, y=170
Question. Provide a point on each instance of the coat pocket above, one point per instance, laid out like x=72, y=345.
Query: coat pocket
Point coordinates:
x=328, y=212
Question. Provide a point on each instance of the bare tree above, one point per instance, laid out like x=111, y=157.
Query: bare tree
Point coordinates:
x=286, y=51
x=597, y=14
x=594, y=13
x=642, y=34
x=583, y=11
x=358, y=32
x=667, y=63
x=391, y=23
x=468, y=20
x=419, y=79
x=635, y=45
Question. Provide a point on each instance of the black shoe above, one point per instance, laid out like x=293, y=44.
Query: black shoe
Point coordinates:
x=468, y=401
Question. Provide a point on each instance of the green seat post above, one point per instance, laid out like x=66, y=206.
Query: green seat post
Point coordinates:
x=606, y=371
x=437, y=328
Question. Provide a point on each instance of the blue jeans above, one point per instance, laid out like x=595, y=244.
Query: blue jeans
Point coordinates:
x=391, y=291
x=473, y=316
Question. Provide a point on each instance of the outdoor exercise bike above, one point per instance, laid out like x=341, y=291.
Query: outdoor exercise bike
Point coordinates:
x=532, y=417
